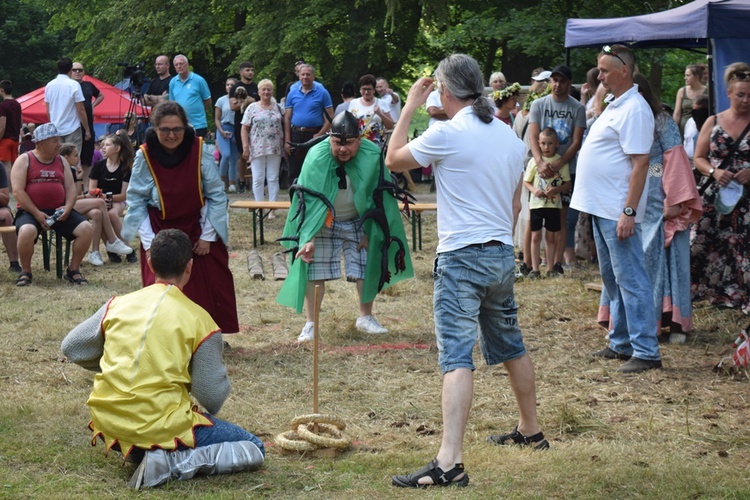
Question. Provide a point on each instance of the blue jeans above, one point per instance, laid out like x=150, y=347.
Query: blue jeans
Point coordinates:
x=228, y=163
x=223, y=432
x=474, y=296
x=624, y=275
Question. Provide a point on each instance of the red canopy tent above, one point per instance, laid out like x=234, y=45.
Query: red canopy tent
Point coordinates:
x=111, y=110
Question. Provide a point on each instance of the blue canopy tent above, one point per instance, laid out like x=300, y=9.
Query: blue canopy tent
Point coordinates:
x=721, y=26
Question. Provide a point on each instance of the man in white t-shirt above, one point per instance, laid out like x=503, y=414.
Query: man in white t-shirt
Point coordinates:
x=611, y=186
x=477, y=190
x=64, y=100
x=435, y=108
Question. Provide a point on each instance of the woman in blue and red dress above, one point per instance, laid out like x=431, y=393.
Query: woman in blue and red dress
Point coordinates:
x=174, y=184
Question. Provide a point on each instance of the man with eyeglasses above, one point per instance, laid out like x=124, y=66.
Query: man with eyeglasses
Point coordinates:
x=191, y=91
x=64, y=99
x=611, y=186
x=89, y=92
x=158, y=88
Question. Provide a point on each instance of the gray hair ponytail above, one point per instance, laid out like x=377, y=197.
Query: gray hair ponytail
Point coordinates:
x=460, y=74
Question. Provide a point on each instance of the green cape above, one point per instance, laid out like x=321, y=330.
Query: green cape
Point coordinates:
x=319, y=174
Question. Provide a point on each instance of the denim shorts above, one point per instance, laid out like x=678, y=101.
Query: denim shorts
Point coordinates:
x=329, y=243
x=474, y=297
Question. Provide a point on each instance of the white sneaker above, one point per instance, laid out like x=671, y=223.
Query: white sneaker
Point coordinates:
x=232, y=188
x=118, y=247
x=95, y=259
x=308, y=332
x=368, y=324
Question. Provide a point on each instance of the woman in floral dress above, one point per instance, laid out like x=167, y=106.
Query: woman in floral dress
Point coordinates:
x=263, y=142
x=720, y=257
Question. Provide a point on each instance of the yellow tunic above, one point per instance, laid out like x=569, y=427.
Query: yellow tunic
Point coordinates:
x=140, y=398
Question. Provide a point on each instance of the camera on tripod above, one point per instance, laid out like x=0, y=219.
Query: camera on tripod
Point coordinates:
x=136, y=73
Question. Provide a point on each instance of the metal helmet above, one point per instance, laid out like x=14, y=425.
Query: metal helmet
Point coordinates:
x=345, y=126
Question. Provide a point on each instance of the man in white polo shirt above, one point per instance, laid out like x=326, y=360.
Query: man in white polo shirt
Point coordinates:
x=611, y=186
x=64, y=100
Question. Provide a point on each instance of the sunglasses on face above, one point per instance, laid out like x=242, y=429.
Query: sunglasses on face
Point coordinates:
x=77, y=70
x=608, y=51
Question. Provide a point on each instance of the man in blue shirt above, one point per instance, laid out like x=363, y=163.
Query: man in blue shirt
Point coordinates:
x=191, y=92
x=304, y=118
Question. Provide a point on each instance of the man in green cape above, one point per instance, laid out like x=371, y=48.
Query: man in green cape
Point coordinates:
x=343, y=172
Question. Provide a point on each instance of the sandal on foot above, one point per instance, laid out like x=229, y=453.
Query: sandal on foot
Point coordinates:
x=71, y=276
x=438, y=476
x=536, y=442
x=23, y=279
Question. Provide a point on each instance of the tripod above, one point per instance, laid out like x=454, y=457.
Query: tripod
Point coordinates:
x=139, y=133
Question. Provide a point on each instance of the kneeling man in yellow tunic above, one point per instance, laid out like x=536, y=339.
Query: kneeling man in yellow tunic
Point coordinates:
x=152, y=349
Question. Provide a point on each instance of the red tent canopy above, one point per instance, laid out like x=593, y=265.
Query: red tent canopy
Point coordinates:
x=111, y=110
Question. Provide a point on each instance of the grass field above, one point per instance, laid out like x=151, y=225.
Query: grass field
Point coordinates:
x=680, y=432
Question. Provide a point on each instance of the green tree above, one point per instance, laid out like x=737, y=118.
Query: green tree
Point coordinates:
x=29, y=49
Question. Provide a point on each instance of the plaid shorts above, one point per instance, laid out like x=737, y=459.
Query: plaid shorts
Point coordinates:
x=328, y=246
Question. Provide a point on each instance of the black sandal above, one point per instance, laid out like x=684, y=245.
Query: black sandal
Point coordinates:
x=23, y=279
x=71, y=276
x=438, y=476
x=535, y=442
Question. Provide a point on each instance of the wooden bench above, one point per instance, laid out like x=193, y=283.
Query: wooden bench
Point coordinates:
x=258, y=207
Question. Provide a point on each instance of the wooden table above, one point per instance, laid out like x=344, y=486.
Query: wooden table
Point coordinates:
x=258, y=208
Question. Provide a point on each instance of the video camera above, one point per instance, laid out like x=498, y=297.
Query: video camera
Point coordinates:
x=136, y=73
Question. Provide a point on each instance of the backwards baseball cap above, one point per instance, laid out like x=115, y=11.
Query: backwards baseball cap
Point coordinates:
x=544, y=75
x=44, y=132
x=564, y=71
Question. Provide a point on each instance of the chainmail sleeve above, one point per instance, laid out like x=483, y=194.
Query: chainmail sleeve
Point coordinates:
x=84, y=345
x=209, y=380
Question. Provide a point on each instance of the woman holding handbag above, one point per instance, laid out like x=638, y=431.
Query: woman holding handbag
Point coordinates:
x=720, y=262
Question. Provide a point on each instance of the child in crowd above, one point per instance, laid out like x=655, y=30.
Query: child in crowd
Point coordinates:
x=93, y=208
x=694, y=124
x=545, y=203
x=112, y=175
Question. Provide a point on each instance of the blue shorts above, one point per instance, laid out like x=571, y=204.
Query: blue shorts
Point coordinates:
x=329, y=243
x=474, y=296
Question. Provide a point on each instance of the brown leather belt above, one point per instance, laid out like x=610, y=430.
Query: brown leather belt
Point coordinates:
x=491, y=243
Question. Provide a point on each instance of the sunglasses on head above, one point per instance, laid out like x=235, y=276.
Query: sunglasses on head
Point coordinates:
x=608, y=51
x=740, y=75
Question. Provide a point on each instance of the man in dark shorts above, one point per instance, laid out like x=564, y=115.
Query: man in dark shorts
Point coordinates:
x=42, y=183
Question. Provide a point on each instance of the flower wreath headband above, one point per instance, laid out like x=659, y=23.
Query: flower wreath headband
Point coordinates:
x=507, y=92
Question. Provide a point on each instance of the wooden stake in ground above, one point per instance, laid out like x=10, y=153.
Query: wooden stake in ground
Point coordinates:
x=319, y=435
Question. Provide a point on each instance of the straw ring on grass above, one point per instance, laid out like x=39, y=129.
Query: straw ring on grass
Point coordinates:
x=290, y=440
x=318, y=418
x=336, y=441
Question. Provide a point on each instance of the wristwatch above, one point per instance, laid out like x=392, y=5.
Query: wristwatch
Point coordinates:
x=711, y=171
x=629, y=211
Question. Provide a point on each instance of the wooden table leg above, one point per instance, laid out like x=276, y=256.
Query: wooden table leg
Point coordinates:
x=255, y=222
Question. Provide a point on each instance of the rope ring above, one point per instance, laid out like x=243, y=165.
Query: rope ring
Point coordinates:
x=304, y=432
x=318, y=418
x=290, y=440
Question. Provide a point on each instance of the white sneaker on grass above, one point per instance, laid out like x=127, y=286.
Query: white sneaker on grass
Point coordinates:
x=95, y=259
x=368, y=324
x=308, y=332
x=118, y=247
x=232, y=188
